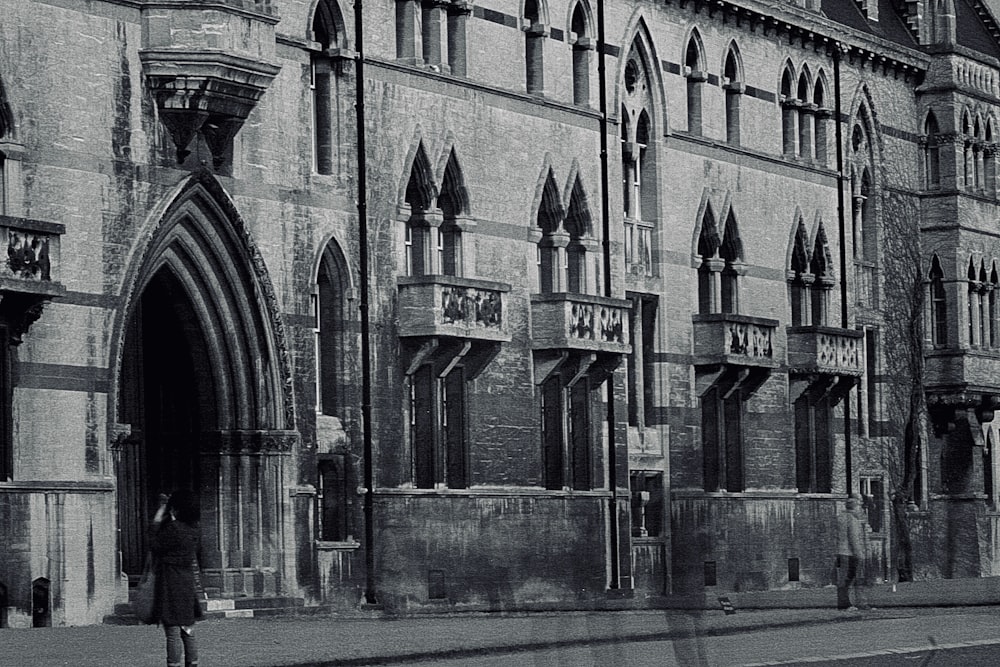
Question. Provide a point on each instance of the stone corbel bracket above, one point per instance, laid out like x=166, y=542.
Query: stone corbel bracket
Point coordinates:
x=205, y=91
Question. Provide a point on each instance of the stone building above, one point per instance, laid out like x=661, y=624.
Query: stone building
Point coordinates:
x=494, y=305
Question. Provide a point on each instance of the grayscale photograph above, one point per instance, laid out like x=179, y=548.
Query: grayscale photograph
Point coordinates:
x=489, y=333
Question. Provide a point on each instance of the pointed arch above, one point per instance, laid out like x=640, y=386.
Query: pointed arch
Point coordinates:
x=932, y=151
x=696, y=74
x=327, y=25
x=204, y=243
x=800, y=254
x=799, y=279
x=732, y=74
x=822, y=264
x=581, y=277
x=580, y=22
x=707, y=237
x=200, y=323
x=417, y=207
x=645, y=61
x=535, y=14
x=789, y=109
x=453, y=200
x=550, y=209
x=336, y=345
x=731, y=248
x=420, y=191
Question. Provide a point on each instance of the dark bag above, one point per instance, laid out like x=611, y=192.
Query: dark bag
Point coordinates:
x=144, y=602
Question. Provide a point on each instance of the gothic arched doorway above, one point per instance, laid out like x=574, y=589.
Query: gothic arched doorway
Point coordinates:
x=203, y=396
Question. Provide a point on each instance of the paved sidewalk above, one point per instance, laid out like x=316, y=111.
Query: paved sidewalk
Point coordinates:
x=329, y=640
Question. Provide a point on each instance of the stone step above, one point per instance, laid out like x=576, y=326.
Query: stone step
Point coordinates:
x=244, y=607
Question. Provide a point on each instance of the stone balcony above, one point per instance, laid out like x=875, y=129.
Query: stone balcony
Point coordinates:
x=207, y=64
x=735, y=340
x=453, y=307
x=825, y=351
x=29, y=276
x=580, y=322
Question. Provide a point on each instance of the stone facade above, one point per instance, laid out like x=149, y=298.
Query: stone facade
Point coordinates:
x=447, y=360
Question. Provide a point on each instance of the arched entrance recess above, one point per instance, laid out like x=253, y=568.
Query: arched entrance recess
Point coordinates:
x=203, y=392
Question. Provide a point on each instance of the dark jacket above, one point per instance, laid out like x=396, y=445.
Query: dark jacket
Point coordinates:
x=175, y=546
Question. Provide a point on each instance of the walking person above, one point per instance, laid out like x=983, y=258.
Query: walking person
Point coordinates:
x=175, y=548
x=850, y=553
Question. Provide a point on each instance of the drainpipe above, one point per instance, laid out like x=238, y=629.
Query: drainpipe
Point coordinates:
x=606, y=230
x=842, y=229
x=366, y=370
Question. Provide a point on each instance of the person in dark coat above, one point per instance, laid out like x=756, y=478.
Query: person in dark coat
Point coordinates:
x=175, y=547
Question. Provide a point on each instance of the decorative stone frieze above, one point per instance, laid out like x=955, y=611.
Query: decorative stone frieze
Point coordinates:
x=29, y=272
x=452, y=306
x=735, y=339
x=825, y=350
x=580, y=322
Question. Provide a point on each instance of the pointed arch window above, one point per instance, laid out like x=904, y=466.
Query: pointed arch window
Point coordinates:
x=582, y=246
x=806, y=116
x=976, y=304
x=939, y=305
x=821, y=266
x=583, y=44
x=639, y=173
x=734, y=88
x=789, y=114
x=932, y=152
x=800, y=278
x=989, y=160
x=821, y=120
x=535, y=33
x=694, y=71
x=552, y=260
x=721, y=266
x=992, y=314
x=968, y=157
x=328, y=32
x=422, y=225
x=456, y=219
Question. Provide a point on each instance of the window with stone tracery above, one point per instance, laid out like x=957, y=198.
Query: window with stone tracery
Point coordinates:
x=721, y=265
x=639, y=200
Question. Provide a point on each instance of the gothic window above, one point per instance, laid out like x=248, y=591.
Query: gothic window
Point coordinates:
x=977, y=154
x=639, y=189
x=454, y=204
x=789, y=113
x=821, y=266
x=641, y=365
x=438, y=428
x=813, y=442
x=989, y=161
x=567, y=433
x=535, y=33
x=647, y=503
x=328, y=31
x=721, y=265
x=863, y=212
x=552, y=261
x=821, y=120
x=800, y=279
x=422, y=224
x=333, y=340
x=968, y=158
x=992, y=312
x=806, y=114
x=694, y=71
x=976, y=303
x=431, y=15
x=939, y=306
x=734, y=87
x=932, y=153
x=580, y=272
x=722, y=438
x=583, y=44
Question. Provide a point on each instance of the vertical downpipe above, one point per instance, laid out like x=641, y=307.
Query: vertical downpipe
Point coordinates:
x=606, y=230
x=842, y=229
x=366, y=370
